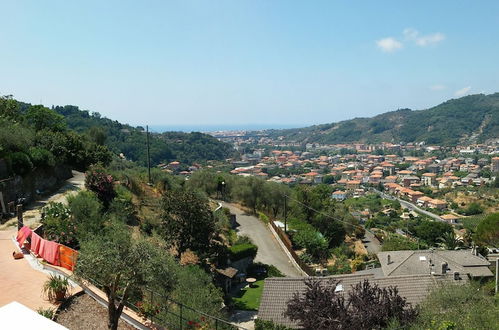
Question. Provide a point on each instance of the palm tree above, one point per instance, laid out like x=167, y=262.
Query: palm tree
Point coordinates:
x=450, y=241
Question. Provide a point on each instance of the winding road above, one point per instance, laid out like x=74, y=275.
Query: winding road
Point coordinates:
x=269, y=250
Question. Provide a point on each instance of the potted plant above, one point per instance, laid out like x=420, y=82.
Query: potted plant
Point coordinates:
x=56, y=287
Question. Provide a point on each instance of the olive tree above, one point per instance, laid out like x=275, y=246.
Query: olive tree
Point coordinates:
x=121, y=265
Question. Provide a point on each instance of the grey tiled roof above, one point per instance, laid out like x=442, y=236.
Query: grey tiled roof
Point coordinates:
x=428, y=261
x=278, y=291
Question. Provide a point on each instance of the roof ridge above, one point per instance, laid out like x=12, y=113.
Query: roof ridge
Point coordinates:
x=409, y=255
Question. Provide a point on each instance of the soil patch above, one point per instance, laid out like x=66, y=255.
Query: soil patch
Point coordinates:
x=83, y=312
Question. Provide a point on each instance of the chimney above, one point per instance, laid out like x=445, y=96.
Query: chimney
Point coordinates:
x=444, y=268
x=389, y=259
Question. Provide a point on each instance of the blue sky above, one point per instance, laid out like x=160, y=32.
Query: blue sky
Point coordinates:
x=239, y=62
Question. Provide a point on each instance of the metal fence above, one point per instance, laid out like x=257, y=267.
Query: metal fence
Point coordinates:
x=167, y=313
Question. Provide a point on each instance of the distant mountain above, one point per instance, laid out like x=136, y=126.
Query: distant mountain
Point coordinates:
x=471, y=118
x=131, y=141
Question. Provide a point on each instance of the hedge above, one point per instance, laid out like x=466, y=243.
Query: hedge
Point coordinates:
x=241, y=251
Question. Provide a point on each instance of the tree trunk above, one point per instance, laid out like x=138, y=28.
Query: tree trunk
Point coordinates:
x=113, y=315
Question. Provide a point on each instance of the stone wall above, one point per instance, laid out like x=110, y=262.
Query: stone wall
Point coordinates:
x=40, y=180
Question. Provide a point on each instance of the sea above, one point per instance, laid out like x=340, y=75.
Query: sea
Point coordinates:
x=216, y=128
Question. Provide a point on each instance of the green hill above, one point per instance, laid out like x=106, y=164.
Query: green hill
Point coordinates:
x=470, y=118
x=131, y=141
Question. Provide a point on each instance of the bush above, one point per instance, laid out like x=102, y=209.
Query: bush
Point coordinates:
x=41, y=157
x=58, y=225
x=240, y=251
x=268, y=325
x=20, y=163
x=101, y=183
x=86, y=212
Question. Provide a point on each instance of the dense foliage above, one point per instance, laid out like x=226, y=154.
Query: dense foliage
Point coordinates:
x=131, y=141
x=487, y=231
x=466, y=307
x=467, y=115
x=187, y=221
x=37, y=137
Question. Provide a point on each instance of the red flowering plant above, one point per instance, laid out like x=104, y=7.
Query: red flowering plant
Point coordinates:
x=101, y=183
x=58, y=225
x=147, y=309
x=201, y=324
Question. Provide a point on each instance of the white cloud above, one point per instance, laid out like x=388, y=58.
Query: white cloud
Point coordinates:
x=438, y=87
x=462, y=91
x=389, y=44
x=423, y=40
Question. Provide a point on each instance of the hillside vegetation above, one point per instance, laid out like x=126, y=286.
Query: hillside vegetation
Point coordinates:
x=131, y=141
x=472, y=118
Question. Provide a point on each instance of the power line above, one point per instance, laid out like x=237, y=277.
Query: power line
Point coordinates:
x=324, y=214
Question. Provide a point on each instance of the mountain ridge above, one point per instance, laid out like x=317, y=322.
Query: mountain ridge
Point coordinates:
x=474, y=117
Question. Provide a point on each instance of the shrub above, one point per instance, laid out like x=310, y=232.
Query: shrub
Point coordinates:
x=240, y=251
x=46, y=312
x=58, y=225
x=268, y=325
x=86, y=213
x=101, y=183
x=20, y=163
x=41, y=157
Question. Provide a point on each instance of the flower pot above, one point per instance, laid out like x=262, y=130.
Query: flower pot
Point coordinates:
x=60, y=295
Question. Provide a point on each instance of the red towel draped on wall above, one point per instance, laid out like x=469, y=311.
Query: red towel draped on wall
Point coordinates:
x=22, y=235
x=49, y=251
x=35, y=243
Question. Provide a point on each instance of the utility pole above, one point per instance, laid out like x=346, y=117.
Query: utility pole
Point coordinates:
x=148, y=157
x=285, y=214
x=497, y=272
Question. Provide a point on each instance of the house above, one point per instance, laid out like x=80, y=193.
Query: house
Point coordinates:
x=429, y=179
x=437, y=204
x=423, y=201
x=409, y=180
x=353, y=184
x=450, y=218
x=339, y=195
x=421, y=262
x=278, y=291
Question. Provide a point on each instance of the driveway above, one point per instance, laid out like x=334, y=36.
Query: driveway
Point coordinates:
x=371, y=243
x=269, y=250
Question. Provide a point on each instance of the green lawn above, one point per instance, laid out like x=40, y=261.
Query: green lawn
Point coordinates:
x=249, y=298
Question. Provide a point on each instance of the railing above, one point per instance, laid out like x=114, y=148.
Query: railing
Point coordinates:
x=165, y=312
x=289, y=246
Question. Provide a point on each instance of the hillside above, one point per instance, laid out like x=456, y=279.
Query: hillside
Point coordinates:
x=470, y=118
x=131, y=141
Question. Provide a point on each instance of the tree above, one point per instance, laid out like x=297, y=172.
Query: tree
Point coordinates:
x=101, y=183
x=121, y=265
x=187, y=221
x=487, y=231
x=469, y=307
x=366, y=306
x=250, y=192
x=450, y=241
x=9, y=107
x=43, y=118
x=430, y=231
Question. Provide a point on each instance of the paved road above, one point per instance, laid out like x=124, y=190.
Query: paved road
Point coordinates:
x=371, y=243
x=269, y=250
x=410, y=206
